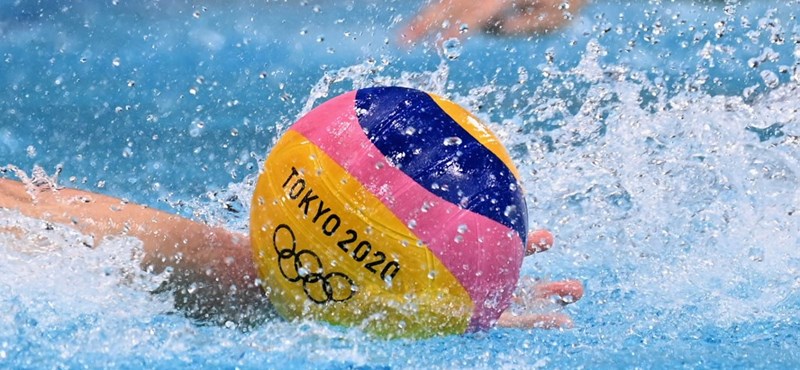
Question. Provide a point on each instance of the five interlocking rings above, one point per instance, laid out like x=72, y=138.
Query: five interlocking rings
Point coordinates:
x=308, y=269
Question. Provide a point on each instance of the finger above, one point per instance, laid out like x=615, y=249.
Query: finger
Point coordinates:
x=568, y=291
x=538, y=241
x=554, y=320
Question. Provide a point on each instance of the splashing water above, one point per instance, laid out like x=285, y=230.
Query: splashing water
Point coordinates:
x=672, y=191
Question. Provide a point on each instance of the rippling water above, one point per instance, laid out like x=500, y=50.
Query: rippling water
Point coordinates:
x=659, y=141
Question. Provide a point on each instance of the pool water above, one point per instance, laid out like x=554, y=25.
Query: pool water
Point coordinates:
x=660, y=141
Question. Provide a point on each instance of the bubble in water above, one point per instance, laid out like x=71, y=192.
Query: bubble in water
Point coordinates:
x=452, y=48
x=756, y=254
x=770, y=79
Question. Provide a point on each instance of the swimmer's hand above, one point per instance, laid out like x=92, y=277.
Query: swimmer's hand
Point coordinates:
x=503, y=17
x=541, y=296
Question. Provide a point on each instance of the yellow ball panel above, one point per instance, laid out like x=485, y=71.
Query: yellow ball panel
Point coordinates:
x=328, y=249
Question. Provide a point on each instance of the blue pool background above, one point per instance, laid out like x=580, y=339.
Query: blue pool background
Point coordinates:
x=659, y=141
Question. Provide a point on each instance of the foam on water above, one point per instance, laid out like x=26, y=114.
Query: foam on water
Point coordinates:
x=684, y=206
x=60, y=296
x=673, y=196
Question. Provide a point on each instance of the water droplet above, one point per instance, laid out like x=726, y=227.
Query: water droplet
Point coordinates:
x=458, y=239
x=302, y=271
x=464, y=28
x=116, y=62
x=432, y=274
x=756, y=254
x=410, y=130
x=770, y=79
x=412, y=224
x=426, y=206
x=452, y=48
x=509, y=210
x=453, y=140
x=462, y=228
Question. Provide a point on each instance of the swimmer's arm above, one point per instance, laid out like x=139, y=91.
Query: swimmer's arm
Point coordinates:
x=504, y=17
x=196, y=252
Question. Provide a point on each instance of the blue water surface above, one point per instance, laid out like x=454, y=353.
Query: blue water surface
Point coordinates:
x=659, y=140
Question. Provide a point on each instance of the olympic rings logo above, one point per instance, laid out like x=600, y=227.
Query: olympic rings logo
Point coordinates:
x=305, y=266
